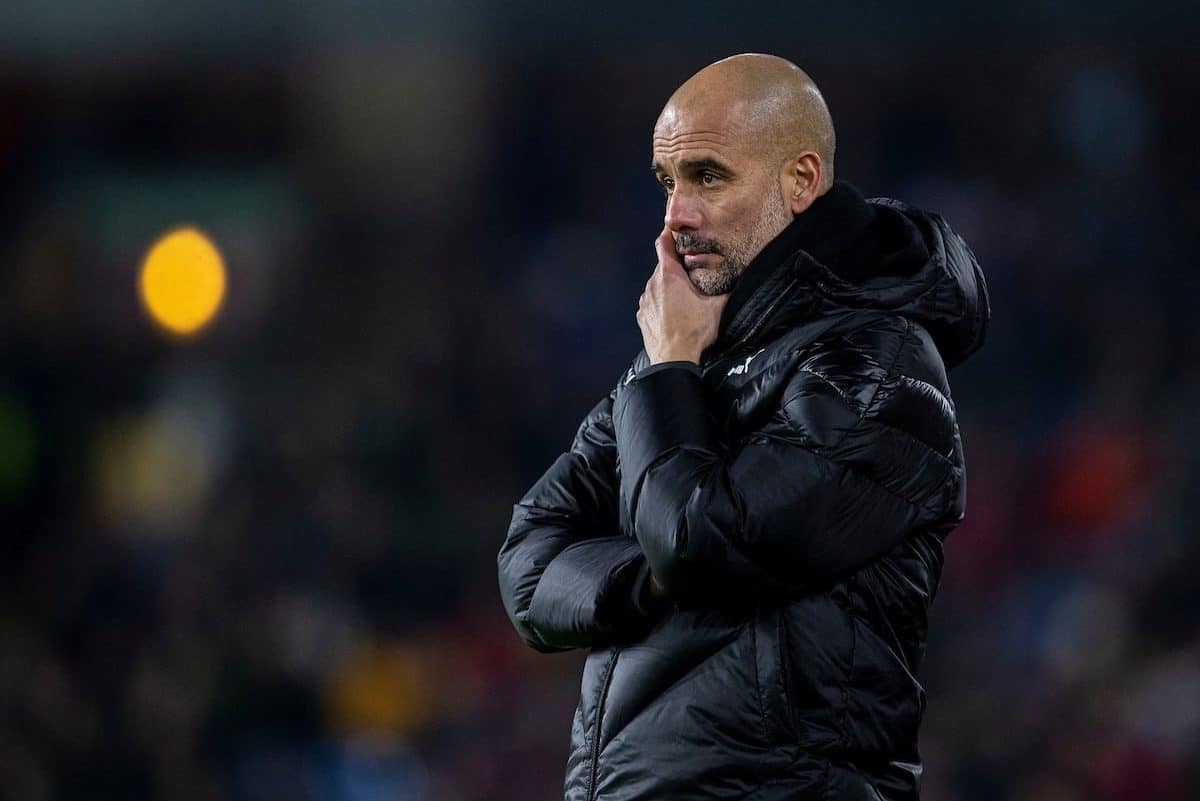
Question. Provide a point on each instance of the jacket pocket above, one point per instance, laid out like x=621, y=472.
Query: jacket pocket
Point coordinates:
x=817, y=641
x=771, y=675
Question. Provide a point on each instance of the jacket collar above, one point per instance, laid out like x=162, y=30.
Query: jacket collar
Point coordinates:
x=832, y=231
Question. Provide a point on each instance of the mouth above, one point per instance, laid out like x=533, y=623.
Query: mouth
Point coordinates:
x=697, y=251
x=696, y=259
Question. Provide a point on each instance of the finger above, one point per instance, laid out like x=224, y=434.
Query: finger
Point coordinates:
x=673, y=268
x=664, y=246
x=669, y=262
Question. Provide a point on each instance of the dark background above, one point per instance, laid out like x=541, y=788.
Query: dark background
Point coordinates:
x=260, y=563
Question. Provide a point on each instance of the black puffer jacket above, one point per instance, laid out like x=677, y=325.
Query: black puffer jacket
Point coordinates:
x=791, y=494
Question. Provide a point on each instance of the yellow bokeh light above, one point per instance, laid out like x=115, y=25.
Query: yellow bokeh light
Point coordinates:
x=182, y=282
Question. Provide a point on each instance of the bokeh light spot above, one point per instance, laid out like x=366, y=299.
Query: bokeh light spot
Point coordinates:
x=182, y=281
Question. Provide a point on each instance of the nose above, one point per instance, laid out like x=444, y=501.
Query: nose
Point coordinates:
x=683, y=211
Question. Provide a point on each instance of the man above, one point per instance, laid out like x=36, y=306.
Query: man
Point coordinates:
x=747, y=532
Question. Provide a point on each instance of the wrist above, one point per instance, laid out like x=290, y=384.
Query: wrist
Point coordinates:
x=675, y=356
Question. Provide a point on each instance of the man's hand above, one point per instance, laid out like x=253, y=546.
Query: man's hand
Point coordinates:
x=677, y=321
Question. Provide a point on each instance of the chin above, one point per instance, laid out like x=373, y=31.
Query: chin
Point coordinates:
x=712, y=281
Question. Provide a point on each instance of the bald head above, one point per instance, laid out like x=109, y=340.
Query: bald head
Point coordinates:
x=741, y=149
x=768, y=100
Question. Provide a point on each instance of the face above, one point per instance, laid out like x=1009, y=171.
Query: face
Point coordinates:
x=724, y=198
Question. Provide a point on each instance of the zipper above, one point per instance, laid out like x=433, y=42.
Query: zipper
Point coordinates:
x=608, y=673
x=762, y=318
x=783, y=293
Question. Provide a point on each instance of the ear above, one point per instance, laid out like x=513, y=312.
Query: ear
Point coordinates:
x=802, y=181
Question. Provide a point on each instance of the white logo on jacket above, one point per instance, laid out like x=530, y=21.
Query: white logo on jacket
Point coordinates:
x=744, y=366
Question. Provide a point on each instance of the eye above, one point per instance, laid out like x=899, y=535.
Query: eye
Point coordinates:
x=708, y=178
x=667, y=184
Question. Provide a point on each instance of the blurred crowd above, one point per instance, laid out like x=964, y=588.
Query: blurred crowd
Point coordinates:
x=260, y=563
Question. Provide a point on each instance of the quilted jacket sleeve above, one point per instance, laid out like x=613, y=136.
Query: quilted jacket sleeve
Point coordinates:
x=568, y=577
x=829, y=484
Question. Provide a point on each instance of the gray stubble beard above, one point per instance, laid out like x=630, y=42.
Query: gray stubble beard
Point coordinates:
x=768, y=223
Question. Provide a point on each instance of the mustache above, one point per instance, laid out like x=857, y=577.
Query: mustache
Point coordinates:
x=695, y=244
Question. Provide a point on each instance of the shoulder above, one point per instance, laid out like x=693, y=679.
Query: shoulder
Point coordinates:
x=885, y=371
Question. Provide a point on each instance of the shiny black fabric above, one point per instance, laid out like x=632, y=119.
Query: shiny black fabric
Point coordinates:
x=791, y=493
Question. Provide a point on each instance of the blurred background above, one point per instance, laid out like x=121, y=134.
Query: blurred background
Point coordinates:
x=257, y=560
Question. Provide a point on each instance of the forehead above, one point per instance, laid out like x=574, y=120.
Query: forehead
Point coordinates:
x=689, y=128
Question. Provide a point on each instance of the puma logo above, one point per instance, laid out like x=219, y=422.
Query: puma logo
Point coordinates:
x=744, y=366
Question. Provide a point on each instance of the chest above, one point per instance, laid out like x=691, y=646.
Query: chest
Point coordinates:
x=745, y=389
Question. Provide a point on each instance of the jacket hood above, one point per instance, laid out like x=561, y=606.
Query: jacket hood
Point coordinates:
x=927, y=273
x=847, y=253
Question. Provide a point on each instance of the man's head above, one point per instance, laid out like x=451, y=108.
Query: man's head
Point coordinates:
x=741, y=148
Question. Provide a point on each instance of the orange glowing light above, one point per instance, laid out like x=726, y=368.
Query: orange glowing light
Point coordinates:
x=182, y=282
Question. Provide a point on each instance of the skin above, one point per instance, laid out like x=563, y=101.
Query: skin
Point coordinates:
x=740, y=149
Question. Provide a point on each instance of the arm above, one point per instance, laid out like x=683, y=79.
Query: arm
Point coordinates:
x=824, y=489
x=568, y=577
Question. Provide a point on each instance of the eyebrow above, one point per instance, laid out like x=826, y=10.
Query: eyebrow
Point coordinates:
x=694, y=165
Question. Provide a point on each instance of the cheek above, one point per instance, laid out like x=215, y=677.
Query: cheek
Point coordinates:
x=733, y=217
x=744, y=222
x=751, y=206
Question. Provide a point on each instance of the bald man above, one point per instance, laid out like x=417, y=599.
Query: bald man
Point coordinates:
x=746, y=533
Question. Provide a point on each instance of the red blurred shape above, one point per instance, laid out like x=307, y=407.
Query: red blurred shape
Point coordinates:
x=1097, y=478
